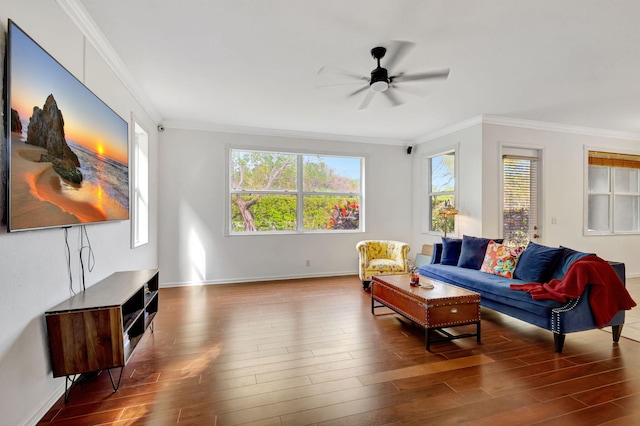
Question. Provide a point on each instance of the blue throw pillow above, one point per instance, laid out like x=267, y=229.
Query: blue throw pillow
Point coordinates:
x=436, y=255
x=450, y=251
x=473, y=251
x=568, y=257
x=537, y=262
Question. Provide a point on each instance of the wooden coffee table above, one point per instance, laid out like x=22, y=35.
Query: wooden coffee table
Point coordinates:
x=437, y=308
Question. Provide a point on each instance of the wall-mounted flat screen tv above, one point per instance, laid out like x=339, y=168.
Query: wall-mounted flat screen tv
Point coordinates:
x=68, y=152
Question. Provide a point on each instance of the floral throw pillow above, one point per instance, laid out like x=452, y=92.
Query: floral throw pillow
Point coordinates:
x=500, y=260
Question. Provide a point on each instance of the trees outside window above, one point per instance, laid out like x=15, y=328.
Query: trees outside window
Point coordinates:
x=442, y=188
x=289, y=192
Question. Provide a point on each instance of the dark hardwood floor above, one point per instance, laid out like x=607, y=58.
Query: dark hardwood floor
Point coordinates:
x=309, y=351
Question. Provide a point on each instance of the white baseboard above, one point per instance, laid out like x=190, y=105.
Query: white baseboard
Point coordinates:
x=45, y=406
x=254, y=279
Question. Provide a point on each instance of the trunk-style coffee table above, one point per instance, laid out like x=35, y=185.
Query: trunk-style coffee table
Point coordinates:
x=437, y=308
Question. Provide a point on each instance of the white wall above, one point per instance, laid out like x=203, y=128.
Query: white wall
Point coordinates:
x=193, y=247
x=479, y=192
x=33, y=272
x=469, y=185
x=563, y=192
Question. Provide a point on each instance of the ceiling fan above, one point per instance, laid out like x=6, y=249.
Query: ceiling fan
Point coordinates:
x=381, y=81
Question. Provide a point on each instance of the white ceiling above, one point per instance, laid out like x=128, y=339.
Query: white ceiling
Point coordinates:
x=254, y=63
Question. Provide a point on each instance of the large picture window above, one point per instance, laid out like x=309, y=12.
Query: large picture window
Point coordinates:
x=613, y=193
x=441, y=190
x=281, y=192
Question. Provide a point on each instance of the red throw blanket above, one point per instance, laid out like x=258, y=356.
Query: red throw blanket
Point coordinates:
x=608, y=294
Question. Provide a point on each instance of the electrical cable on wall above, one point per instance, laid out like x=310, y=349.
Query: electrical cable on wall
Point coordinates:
x=91, y=261
x=68, y=257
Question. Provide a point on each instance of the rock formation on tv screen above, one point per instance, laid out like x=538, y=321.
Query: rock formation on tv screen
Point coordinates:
x=16, y=124
x=46, y=129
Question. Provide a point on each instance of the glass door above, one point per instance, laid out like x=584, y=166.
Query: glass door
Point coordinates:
x=520, y=188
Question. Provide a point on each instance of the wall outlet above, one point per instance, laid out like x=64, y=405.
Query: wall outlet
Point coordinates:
x=307, y=263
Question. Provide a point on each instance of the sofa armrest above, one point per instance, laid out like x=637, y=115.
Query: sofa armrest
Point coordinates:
x=620, y=270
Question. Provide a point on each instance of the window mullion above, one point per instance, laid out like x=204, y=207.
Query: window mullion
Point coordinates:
x=300, y=196
x=612, y=200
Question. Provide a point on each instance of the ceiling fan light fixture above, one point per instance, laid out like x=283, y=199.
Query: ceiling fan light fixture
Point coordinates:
x=379, y=86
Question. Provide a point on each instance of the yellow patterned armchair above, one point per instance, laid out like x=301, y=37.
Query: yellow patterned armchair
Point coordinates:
x=381, y=257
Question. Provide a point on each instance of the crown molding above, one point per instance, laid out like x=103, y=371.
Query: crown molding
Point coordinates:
x=449, y=129
x=528, y=124
x=559, y=127
x=85, y=23
x=260, y=131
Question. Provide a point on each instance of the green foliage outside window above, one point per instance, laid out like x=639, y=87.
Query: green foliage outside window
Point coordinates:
x=437, y=222
x=442, y=189
x=265, y=193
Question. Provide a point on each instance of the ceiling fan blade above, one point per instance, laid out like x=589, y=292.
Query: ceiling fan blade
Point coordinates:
x=351, y=83
x=360, y=90
x=412, y=90
x=327, y=69
x=400, y=78
x=392, y=97
x=396, y=53
x=367, y=100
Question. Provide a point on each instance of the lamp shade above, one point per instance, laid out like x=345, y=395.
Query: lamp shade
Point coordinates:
x=448, y=211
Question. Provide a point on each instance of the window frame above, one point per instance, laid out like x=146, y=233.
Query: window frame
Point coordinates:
x=427, y=179
x=139, y=184
x=611, y=193
x=299, y=192
x=536, y=156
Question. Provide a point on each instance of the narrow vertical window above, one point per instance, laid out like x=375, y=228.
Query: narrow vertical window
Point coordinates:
x=520, y=196
x=140, y=205
x=441, y=190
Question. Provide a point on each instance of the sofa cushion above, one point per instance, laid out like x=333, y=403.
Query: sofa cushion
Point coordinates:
x=436, y=255
x=472, y=252
x=450, y=251
x=500, y=260
x=491, y=287
x=537, y=263
x=566, y=259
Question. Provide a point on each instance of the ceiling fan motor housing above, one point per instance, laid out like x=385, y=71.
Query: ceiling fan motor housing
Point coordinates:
x=379, y=74
x=379, y=77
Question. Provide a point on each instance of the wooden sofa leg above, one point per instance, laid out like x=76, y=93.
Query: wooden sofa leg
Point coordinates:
x=616, y=331
x=558, y=340
x=365, y=285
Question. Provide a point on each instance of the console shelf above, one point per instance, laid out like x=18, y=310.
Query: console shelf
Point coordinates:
x=99, y=328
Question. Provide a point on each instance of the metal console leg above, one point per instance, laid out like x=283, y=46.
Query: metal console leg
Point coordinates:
x=116, y=385
x=67, y=388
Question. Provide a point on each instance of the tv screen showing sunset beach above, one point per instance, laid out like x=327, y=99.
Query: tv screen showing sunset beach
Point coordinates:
x=68, y=151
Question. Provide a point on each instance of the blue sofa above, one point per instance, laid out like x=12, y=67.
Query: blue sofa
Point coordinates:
x=561, y=318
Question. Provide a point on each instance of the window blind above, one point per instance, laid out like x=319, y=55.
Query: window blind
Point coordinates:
x=611, y=159
x=520, y=199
